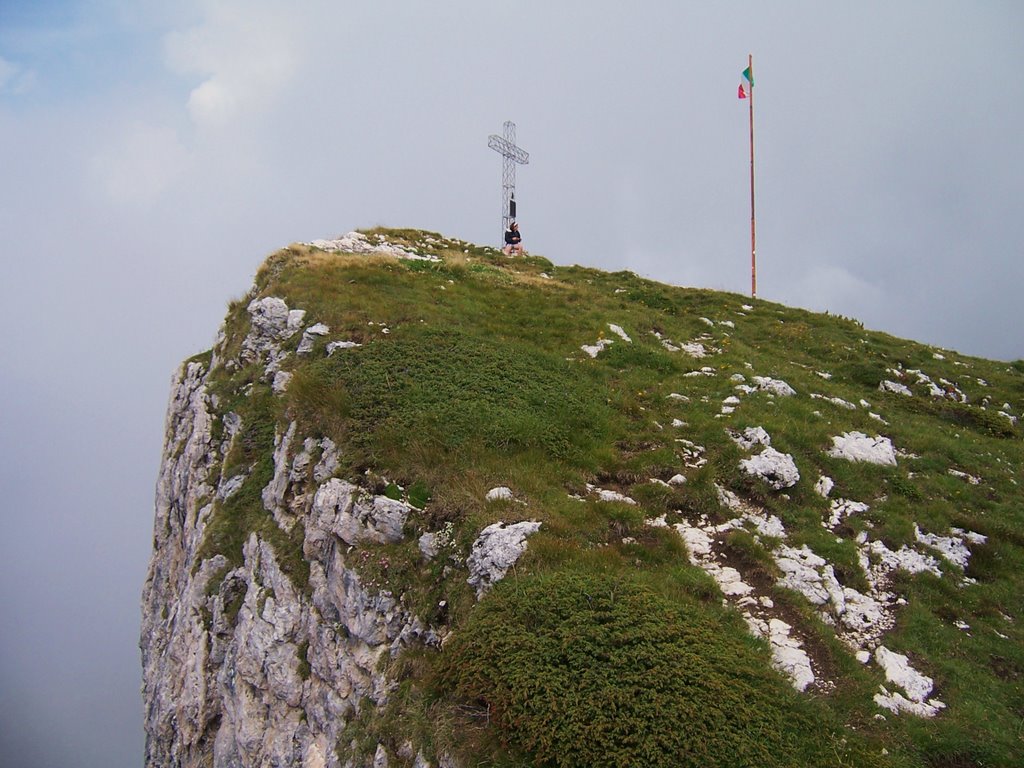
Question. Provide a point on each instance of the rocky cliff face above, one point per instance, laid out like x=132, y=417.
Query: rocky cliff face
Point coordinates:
x=242, y=666
x=276, y=683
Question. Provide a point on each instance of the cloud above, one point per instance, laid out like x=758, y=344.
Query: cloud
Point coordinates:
x=7, y=72
x=14, y=79
x=139, y=164
x=246, y=54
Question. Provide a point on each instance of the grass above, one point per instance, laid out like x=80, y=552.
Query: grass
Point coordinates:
x=589, y=670
x=604, y=646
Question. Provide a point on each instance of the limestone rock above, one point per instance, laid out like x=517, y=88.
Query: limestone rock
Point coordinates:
x=698, y=542
x=274, y=492
x=952, y=548
x=751, y=437
x=495, y=550
x=343, y=509
x=334, y=346
x=843, y=508
x=240, y=665
x=810, y=575
x=775, y=468
x=309, y=337
x=271, y=323
x=281, y=381
x=428, y=545
x=824, y=486
x=617, y=330
x=357, y=242
x=613, y=496
x=694, y=349
x=329, y=461
x=788, y=655
x=895, y=387
x=856, y=446
x=594, y=349
x=501, y=493
x=916, y=686
x=773, y=386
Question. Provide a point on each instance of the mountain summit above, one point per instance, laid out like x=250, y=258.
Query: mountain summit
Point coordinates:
x=423, y=505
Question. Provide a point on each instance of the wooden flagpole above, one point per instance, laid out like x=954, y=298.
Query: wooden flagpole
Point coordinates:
x=753, y=238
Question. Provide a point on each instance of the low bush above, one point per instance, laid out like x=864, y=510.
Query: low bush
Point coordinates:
x=593, y=670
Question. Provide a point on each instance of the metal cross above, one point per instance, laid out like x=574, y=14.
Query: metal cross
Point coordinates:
x=506, y=147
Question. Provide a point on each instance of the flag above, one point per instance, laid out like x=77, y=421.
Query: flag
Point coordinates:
x=749, y=77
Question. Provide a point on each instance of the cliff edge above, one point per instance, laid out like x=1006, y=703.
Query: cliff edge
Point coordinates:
x=426, y=505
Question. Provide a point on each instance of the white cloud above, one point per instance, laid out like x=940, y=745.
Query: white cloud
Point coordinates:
x=7, y=72
x=212, y=103
x=14, y=79
x=246, y=53
x=139, y=164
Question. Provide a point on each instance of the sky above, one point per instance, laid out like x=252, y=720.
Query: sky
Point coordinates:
x=152, y=154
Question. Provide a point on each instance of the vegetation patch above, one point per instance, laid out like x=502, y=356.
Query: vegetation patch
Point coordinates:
x=453, y=387
x=587, y=670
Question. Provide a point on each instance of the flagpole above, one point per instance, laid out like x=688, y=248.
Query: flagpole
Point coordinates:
x=753, y=238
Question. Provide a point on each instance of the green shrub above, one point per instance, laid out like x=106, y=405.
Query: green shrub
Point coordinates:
x=419, y=494
x=589, y=670
x=450, y=387
x=904, y=486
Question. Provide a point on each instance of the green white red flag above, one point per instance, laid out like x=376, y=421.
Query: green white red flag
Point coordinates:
x=749, y=77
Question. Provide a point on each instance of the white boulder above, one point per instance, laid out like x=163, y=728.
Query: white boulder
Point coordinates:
x=856, y=446
x=775, y=468
x=271, y=323
x=788, y=655
x=309, y=337
x=612, y=496
x=694, y=349
x=729, y=580
x=341, y=508
x=773, y=386
x=698, y=542
x=810, y=575
x=334, y=346
x=916, y=686
x=842, y=508
x=357, y=242
x=501, y=493
x=824, y=486
x=617, y=330
x=593, y=349
x=428, y=545
x=495, y=550
x=895, y=387
x=952, y=548
x=750, y=437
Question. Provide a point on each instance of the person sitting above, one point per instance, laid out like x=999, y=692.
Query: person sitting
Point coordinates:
x=513, y=240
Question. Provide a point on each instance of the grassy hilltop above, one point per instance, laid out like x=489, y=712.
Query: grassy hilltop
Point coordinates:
x=605, y=645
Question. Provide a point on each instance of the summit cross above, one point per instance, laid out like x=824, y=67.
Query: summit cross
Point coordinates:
x=506, y=147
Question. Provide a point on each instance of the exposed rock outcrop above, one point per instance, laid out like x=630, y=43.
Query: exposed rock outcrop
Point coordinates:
x=497, y=549
x=243, y=664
